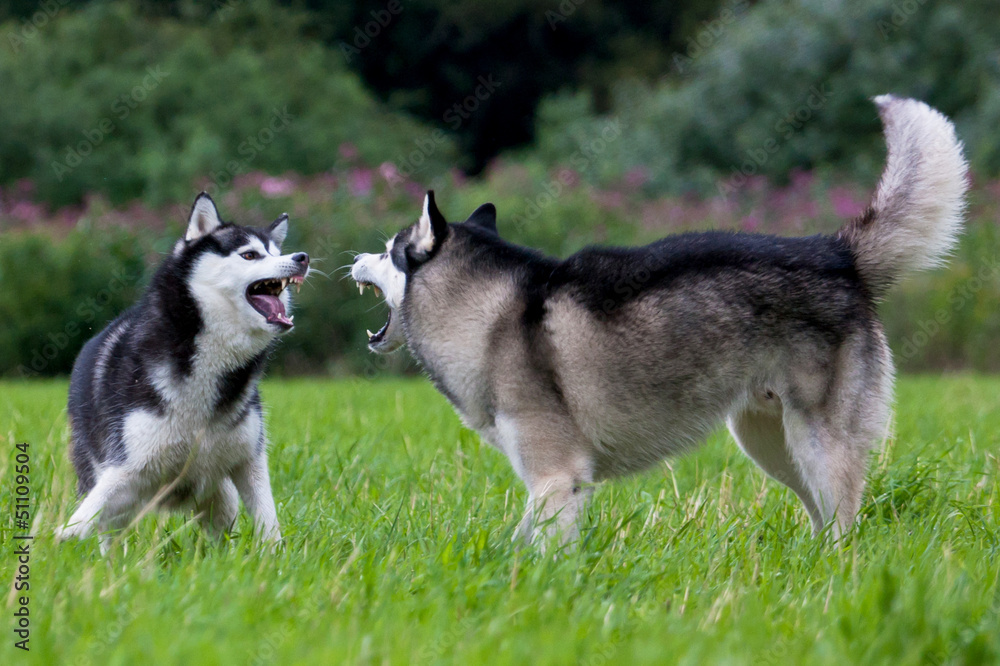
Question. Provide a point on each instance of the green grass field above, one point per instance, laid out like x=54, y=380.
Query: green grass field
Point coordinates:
x=398, y=526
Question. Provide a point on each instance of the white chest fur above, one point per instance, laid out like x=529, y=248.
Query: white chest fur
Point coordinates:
x=189, y=435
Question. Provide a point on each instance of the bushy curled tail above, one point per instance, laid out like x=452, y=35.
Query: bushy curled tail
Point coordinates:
x=915, y=215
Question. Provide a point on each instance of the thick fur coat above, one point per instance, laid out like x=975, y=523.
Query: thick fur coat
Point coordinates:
x=608, y=361
x=163, y=403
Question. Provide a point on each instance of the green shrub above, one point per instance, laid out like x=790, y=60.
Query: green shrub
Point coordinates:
x=787, y=85
x=107, y=100
x=949, y=319
x=57, y=295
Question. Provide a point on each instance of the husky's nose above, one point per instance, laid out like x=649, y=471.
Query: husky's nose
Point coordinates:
x=301, y=258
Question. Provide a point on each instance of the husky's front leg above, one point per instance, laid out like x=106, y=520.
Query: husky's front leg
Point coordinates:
x=105, y=505
x=254, y=486
x=551, y=456
x=553, y=511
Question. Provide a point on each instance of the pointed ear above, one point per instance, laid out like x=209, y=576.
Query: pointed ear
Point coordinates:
x=279, y=229
x=204, y=218
x=432, y=227
x=484, y=217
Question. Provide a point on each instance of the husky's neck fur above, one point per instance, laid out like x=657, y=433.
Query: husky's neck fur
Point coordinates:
x=491, y=286
x=207, y=364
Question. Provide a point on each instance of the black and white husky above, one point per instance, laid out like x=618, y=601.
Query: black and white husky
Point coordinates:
x=604, y=363
x=163, y=403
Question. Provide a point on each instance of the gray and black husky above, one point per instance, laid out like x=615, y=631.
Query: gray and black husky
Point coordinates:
x=606, y=362
x=163, y=403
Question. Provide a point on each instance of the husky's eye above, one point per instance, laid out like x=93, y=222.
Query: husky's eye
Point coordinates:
x=251, y=255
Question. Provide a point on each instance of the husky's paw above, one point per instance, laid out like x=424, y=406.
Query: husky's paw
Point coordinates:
x=106, y=541
x=74, y=531
x=275, y=544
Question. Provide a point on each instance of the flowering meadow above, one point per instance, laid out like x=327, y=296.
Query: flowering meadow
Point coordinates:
x=940, y=320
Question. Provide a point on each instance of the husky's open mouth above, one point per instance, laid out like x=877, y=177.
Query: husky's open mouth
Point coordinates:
x=377, y=340
x=377, y=337
x=263, y=297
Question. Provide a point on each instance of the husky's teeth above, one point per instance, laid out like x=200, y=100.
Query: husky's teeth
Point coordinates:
x=298, y=287
x=370, y=334
x=361, y=288
x=378, y=292
x=284, y=283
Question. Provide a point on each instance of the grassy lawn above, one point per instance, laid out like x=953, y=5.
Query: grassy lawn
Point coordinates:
x=398, y=526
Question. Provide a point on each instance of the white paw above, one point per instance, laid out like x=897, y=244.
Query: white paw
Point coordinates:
x=74, y=531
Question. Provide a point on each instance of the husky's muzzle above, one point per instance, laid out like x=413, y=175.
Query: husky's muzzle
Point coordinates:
x=264, y=296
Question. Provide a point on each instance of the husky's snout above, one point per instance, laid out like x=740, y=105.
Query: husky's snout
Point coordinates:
x=378, y=272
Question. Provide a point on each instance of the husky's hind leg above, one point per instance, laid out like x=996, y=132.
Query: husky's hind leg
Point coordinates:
x=831, y=436
x=833, y=469
x=218, y=512
x=759, y=432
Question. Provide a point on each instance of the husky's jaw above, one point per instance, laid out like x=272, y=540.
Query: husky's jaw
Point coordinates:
x=389, y=338
x=264, y=297
x=379, y=273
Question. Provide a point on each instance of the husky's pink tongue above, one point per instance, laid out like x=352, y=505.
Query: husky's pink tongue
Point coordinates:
x=272, y=308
